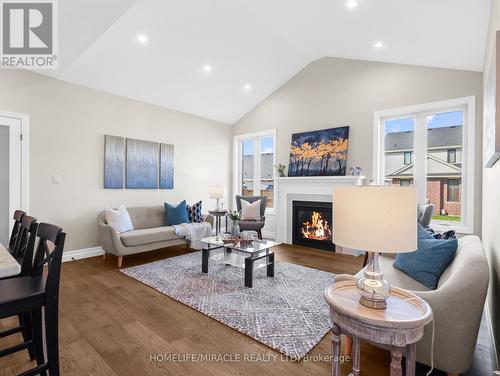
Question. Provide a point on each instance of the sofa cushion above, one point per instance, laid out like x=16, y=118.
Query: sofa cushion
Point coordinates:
x=251, y=225
x=429, y=261
x=250, y=211
x=119, y=219
x=147, y=216
x=175, y=215
x=147, y=236
x=397, y=278
x=194, y=212
x=423, y=233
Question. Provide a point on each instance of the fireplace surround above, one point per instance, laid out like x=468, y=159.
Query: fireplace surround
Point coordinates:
x=312, y=224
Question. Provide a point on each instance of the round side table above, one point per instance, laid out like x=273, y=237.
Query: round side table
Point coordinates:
x=397, y=328
x=218, y=214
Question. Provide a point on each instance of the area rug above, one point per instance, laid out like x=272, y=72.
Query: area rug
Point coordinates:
x=287, y=313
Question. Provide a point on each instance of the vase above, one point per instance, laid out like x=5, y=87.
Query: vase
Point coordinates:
x=235, y=228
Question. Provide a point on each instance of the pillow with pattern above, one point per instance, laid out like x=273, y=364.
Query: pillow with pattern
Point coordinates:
x=194, y=212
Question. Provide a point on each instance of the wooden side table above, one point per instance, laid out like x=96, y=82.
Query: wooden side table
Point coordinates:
x=398, y=328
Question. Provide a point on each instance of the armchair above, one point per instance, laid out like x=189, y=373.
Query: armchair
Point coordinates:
x=256, y=226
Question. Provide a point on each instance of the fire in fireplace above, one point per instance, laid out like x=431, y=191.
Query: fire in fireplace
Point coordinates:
x=312, y=224
x=317, y=229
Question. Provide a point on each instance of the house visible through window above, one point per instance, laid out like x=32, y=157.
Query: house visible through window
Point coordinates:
x=407, y=157
x=452, y=155
x=425, y=147
x=255, y=164
x=405, y=182
x=453, y=190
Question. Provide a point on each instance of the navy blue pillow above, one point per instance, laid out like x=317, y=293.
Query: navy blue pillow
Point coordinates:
x=423, y=233
x=175, y=215
x=429, y=261
x=194, y=212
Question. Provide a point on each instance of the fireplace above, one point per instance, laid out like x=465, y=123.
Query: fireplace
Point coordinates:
x=312, y=224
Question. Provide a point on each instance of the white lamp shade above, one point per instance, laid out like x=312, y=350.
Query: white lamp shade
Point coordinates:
x=375, y=218
x=216, y=191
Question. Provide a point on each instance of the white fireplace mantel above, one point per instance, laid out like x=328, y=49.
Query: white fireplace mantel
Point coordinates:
x=304, y=188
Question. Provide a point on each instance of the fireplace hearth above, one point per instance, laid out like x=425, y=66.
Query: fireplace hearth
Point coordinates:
x=312, y=224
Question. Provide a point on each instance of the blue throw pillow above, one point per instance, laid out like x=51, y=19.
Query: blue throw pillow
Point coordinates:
x=175, y=215
x=423, y=233
x=429, y=261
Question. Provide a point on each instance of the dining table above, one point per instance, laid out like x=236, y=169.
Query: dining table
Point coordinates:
x=8, y=265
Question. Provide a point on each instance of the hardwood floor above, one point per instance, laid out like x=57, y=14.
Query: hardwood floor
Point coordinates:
x=113, y=325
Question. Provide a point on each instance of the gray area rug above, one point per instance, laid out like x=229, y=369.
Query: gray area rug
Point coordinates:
x=287, y=313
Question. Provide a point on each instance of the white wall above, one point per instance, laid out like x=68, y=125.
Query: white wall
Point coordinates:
x=331, y=92
x=68, y=124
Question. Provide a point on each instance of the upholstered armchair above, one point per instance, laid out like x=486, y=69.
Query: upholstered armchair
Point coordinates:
x=256, y=226
x=457, y=305
x=424, y=215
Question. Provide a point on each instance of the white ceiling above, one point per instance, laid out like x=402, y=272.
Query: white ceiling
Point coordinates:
x=258, y=42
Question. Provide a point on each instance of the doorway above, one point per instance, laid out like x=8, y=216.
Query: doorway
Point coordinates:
x=13, y=184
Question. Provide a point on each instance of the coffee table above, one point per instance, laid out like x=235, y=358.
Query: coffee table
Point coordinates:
x=249, y=258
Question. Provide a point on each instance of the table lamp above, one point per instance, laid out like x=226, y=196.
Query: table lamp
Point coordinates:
x=217, y=192
x=375, y=219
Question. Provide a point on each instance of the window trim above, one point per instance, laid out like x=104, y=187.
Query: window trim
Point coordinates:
x=468, y=105
x=237, y=162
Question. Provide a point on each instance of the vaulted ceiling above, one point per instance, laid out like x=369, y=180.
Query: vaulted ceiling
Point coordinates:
x=219, y=58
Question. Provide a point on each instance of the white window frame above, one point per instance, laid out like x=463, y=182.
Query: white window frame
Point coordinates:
x=237, y=162
x=419, y=113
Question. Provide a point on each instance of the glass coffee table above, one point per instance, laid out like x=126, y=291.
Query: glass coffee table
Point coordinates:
x=252, y=257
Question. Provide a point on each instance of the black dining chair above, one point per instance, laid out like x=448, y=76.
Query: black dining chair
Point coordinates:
x=23, y=253
x=18, y=216
x=36, y=292
x=25, y=245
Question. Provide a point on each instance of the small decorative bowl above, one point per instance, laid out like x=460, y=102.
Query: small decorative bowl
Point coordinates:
x=230, y=240
x=246, y=242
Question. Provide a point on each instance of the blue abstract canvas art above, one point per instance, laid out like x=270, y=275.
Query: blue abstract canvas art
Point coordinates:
x=166, y=166
x=142, y=164
x=114, y=162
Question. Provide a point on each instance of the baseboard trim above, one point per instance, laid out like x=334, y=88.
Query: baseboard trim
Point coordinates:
x=79, y=254
x=268, y=235
x=492, y=335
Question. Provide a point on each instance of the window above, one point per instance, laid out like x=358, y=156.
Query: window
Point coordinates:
x=407, y=157
x=255, y=161
x=437, y=143
x=453, y=194
x=406, y=182
x=247, y=147
x=398, y=138
x=452, y=155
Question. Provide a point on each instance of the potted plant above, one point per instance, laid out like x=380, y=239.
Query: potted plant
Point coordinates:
x=280, y=169
x=235, y=216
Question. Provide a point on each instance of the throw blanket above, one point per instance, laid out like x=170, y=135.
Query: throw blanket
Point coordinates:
x=194, y=232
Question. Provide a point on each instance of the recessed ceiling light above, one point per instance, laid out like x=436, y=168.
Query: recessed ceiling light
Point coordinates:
x=378, y=44
x=207, y=68
x=351, y=4
x=142, y=38
x=247, y=87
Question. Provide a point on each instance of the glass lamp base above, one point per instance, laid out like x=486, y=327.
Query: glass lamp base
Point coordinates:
x=375, y=304
x=372, y=287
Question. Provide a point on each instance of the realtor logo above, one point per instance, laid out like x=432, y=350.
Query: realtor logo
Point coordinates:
x=28, y=34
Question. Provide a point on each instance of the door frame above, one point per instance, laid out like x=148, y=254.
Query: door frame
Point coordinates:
x=24, y=159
